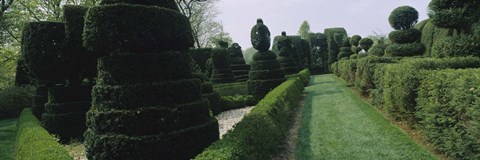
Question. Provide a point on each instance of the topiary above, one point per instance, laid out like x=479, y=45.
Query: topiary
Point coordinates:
x=378, y=50
x=355, y=40
x=285, y=57
x=333, y=48
x=221, y=66
x=456, y=46
x=238, y=65
x=260, y=36
x=405, y=36
x=454, y=14
x=366, y=43
x=401, y=50
x=402, y=18
x=353, y=56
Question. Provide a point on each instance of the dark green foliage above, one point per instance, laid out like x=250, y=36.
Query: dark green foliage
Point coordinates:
x=448, y=108
x=378, y=50
x=377, y=93
x=304, y=75
x=319, y=54
x=65, y=112
x=333, y=47
x=405, y=36
x=463, y=45
x=235, y=52
x=353, y=56
x=200, y=56
x=430, y=34
x=454, y=14
x=39, y=100
x=366, y=43
x=231, y=89
x=23, y=76
x=402, y=18
x=403, y=50
x=260, y=36
x=221, y=66
x=364, y=75
x=165, y=145
x=34, y=142
x=236, y=101
x=355, y=40
x=170, y=4
x=13, y=99
x=421, y=25
x=401, y=81
x=285, y=57
x=260, y=133
x=344, y=52
x=74, y=17
x=209, y=94
x=266, y=62
x=42, y=43
x=122, y=28
x=238, y=66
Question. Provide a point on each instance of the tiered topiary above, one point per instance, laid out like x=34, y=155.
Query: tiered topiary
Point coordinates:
x=285, y=57
x=333, y=47
x=221, y=66
x=146, y=103
x=355, y=42
x=239, y=67
x=365, y=44
x=67, y=105
x=42, y=43
x=405, y=38
x=265, y=72
x=209, y=94
x=345, y=49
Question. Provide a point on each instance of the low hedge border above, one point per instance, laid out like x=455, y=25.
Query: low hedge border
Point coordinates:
x=304, y=76
x=235, y=102
x=260, y=133
x=231, y=89
x=34, y=142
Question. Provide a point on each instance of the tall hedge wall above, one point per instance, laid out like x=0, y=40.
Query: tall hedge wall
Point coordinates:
x=430, y=33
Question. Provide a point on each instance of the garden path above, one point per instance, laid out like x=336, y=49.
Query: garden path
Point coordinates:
x=7, y=138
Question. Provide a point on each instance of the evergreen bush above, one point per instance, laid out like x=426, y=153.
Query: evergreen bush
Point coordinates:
x=333, y=47
x=285, y=55
x=404, y=17
x=406, y=39
x=239, y=67
x=366, y=43
x=221, y=66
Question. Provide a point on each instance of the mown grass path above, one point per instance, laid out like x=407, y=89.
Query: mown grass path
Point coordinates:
x=7, y=139
x=337, y=124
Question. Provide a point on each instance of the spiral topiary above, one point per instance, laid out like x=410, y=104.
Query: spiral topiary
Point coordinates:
x=238, y=65
x=221, y=66
x=146, y=103
x=265, y=71
x=285, y=57
x=406, y=39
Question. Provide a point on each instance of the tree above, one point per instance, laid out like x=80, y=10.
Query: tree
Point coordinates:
x=202, y=16
x=220, y=36
x=4, y=5
x=304, y=30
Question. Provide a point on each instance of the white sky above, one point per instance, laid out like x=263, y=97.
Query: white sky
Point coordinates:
x=362, y=17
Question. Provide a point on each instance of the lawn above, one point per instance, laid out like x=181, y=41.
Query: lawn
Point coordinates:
x=337, y=124
x=7, y=139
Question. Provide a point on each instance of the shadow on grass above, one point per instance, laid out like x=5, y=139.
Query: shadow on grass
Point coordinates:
x=7, y=139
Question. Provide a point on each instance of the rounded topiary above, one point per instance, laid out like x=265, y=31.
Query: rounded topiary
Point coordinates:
x=238, y=65
x=124, y=29
x=146, y=104
x=378, y=50
x=404, y=17
x=260, y=36
x=355, y=40
x=456, y=14
x=405, y=36
x=160, y=3
x=409, y=49
x=222, y=73
x=366, y=43
x=42, y=43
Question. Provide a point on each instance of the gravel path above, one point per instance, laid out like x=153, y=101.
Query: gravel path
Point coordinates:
x=228, y=119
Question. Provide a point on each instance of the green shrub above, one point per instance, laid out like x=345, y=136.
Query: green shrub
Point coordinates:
x=231, y=89
x=13, y=99
x=366, y=43
x=362, y=55
x=405, y=36
x=260, y=133
x=458, y=14
x=344, y=52
x=304, y=75
x=378, y=50
x=34, y=142
x=430, y=34
x=403, y=50
x=377, y=93
x=334, y=68
x=347, y=69
x=260, y=36
x=448, y=109
x=365, y=70
x=333, y=47
x=137, y=29
x=170, y=4
x=404, y=17
x=353, y=56
x=259, y=86
x=23, y=76
x=237, y=101
x=463, y=45
x=221, y=66
x=200, y=56
x=355, y=40
x=401, y=81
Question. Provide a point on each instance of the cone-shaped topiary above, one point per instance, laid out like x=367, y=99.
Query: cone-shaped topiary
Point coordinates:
x=42, y=43
x=265, y=71
x=65, y=112
x=146, y=103
x=406, y=39
x=209, y=94
x=239, y=67
x=221, y=66
x=285, y=56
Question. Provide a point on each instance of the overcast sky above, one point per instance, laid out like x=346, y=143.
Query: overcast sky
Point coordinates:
x=362, y=17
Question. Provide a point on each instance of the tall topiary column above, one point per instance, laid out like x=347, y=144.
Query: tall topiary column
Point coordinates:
x=146, y=103
x=67, y=105
x=221, y=66
x=285, y=57
x=405, y=38
x=265, y=72
x=239, y=67
x=42, y=43
x=345, y=49
x=355, y=42
x=333, y=47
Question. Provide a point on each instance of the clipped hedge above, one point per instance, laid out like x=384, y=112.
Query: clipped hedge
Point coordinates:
x=408, y=49
x=402, y=80
x=304, y=75
x=449, y=111
x=237, y=101
x=200, y=56
x=333, y=47
x=231, y=89
x=405, y=36
x=347, y=70
x=364, y=74
x=264, y=62
x=34, y=142
x=260, y=133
